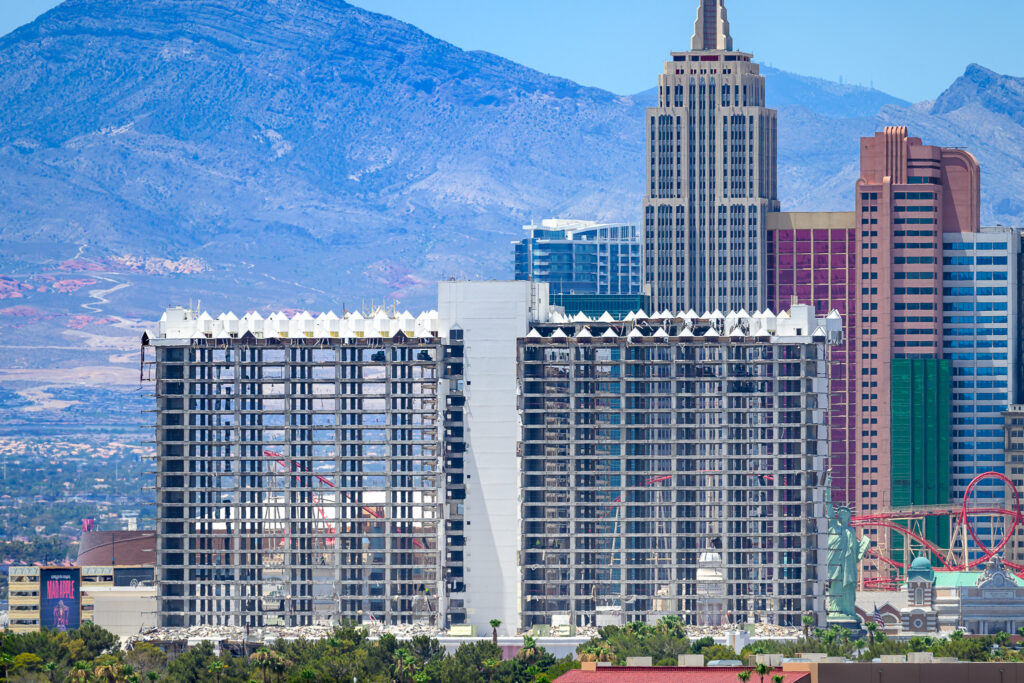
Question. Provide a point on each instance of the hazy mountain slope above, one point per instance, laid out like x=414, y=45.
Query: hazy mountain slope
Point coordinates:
x=784, y=89
x=186, y=125
x=981, y=111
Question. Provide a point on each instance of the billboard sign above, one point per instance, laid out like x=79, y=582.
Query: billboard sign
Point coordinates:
x=133, y=576
x=60, y=598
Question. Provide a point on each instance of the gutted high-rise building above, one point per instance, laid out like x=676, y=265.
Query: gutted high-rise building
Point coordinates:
x=675, y=466
x=310, y=470
x=711, y=175
x=300, y=471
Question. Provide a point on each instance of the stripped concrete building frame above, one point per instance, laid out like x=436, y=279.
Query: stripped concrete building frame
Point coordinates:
x=676, y=465
x=301, y=470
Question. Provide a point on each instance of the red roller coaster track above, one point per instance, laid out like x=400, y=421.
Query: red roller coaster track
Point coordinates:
x=960, y=518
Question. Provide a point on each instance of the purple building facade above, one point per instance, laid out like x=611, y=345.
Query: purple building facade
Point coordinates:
x=812, y=259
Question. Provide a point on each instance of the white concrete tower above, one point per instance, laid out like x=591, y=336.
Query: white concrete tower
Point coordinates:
x=711, y=175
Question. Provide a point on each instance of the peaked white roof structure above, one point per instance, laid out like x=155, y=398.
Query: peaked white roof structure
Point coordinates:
x=180, y=323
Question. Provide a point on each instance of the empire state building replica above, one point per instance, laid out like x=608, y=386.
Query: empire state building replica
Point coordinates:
x=711, y=176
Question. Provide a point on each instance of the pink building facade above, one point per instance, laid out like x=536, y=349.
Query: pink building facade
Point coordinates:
x=908, y=195
x=881, y=267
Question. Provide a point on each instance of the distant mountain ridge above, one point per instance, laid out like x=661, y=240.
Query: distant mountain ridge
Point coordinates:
x=307, y=151
x=980, y=86
x=204, y=127
x=982, y=111
x=785, y=89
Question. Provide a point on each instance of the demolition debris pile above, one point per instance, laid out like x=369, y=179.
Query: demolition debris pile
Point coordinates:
x=268, y=635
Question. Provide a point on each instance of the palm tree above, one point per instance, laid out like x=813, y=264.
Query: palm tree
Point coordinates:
x=49, y=668
x=872, y=628
x=79, y=674
x=762, y=671
x=405, y=665
x=106, y=672
x=262, y=658
x=743, y=676
x=5, y=663
x=672, y=625
x=529, y=649
x=595, y=653
x=216, y=668
x=808, y=621
x=638, y=628
x=778, y=678
x=279, y=664
x=495, y=623
x=491, y=665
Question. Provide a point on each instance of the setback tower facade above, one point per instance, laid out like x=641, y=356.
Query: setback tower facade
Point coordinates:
x=711, y=175
x=911, y=196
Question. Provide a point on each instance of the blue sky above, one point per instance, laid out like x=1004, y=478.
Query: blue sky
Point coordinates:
x=620, y=44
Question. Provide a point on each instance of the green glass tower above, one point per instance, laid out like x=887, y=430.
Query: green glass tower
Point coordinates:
x=920, y=442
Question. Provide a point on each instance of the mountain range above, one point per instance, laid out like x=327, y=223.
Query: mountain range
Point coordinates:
x=260, y=154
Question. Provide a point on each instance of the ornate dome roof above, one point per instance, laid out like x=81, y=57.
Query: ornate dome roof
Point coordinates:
x=921, y=568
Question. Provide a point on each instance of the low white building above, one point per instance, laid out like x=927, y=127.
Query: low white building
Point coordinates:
x=124, y=611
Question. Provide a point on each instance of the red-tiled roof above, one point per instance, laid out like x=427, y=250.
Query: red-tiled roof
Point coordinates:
x=675, y=674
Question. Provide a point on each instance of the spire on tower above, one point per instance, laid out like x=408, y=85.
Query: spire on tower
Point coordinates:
x=711, y=32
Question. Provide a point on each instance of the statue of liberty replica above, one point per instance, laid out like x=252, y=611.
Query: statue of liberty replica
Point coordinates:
x=844, y=555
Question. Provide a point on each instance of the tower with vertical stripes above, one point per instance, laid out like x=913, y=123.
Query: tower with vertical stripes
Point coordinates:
x=711, y=175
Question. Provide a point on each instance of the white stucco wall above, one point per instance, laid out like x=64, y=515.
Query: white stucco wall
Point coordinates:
x=123, y=611
x=492, y=315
